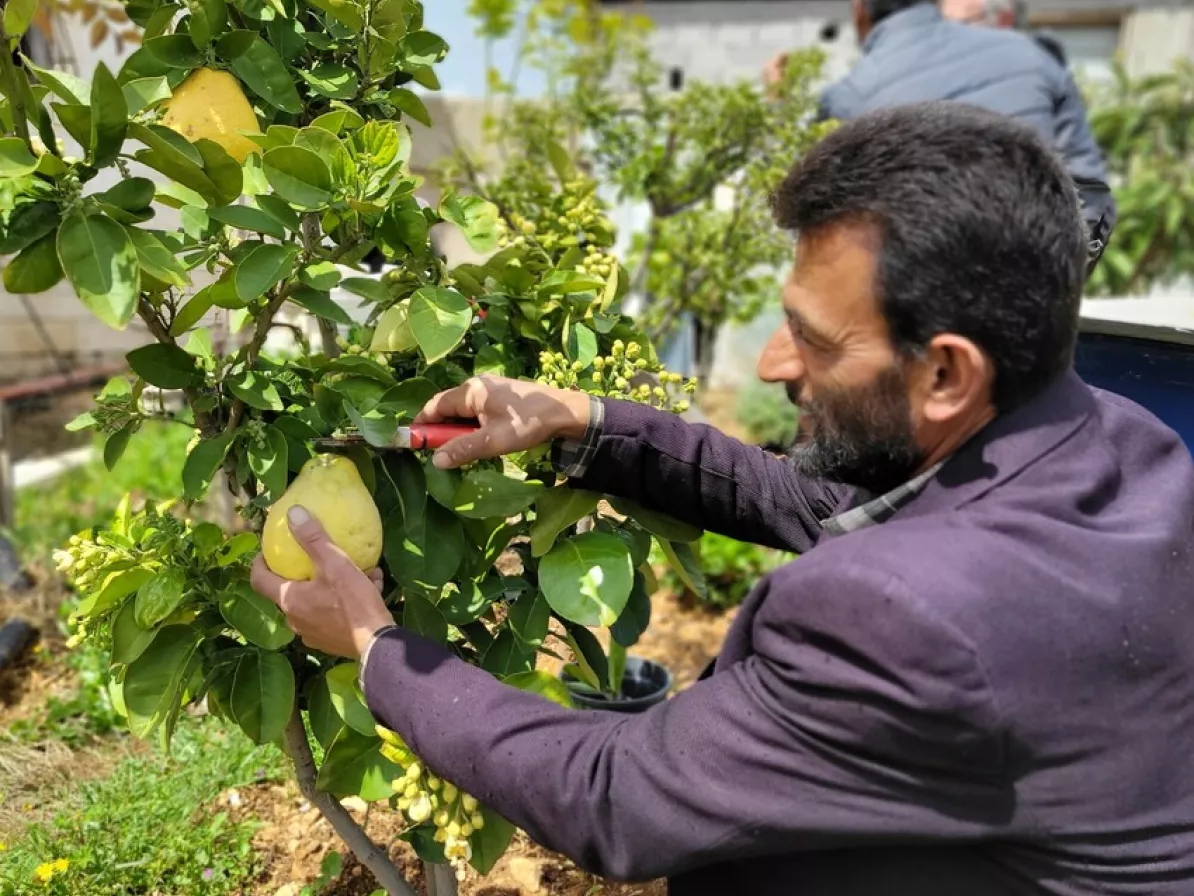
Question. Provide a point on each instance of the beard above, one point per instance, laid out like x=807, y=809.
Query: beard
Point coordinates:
x=862, y=436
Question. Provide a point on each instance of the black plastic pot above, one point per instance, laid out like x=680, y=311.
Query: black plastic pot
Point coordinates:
x=644, y=684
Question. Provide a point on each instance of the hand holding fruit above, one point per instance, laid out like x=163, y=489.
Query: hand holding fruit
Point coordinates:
x=338, y=610
x=514, y=416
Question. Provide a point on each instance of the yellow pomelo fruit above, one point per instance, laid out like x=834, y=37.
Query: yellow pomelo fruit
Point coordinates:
x=331, y=490
x=210, y=104
x=393, y=332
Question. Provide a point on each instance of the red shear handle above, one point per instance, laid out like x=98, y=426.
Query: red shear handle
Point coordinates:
x=436, y=435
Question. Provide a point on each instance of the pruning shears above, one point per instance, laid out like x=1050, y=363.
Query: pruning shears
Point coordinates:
x=417, y=436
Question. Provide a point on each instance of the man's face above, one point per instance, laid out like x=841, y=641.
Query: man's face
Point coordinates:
x=834, y=355
x=974, y=12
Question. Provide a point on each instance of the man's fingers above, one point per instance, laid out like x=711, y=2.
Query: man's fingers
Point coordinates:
x=378, y=578
x=477, y=445
x=313, y=537
x=265, y=582
x=448, y=405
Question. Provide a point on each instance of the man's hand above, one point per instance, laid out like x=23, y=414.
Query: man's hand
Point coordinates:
x=514, y=416
x=773, y=73
x=337, y=611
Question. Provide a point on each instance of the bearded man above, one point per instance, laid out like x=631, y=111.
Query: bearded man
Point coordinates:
x=977, y=679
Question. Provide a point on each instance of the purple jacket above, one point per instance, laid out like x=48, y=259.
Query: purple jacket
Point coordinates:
x=991, y=693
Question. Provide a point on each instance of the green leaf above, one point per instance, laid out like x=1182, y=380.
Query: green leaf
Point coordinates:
x=423, y=542
x=376, y=426
x=236, y=547
x=263, y=71
x=581, y=344
x=488, y=493
x=555, y=510
x=329, y=148
x=28, y=223
x=235, y=44
x=587, y=579
x=222, y=170
x=173, y=51
x=373, y=290
x=165, y=366
x=347, y=699
x=468, y=602
x=543, y=684
x=262, y=269
x=408, y=398
x=491, y=842
x=63, y=85
x=155, y=681
x=332, y=80
x=254, y=389
x=133, y=194
x=257, y=618
x=684, y=562
x=635, y=617
x=129, y=639
x=346, y=12
x=442, y=484
x=403, y=228
x=354, y=766
x=325, y=721
x=320, y=304
x=590, y=658
x=109, y=117
x=141, y=93
x=35, y=269
x=244, y=217
x=100, y=261
x=201, y=465
x=160, y=596
x=656, y=523
x=268, y=461
x=117, y=586
x=477, y=220
x=192, y=312
x=156, y=260
x=422, y=617
x=507, y=655
x=530, y=617
x=116, y=444
x=320, y=275
x=18, y=14
x=439, y=318
x=15, y=158
x=299, y=176
x=410, y=104
x=262, y=699
x=422, y=48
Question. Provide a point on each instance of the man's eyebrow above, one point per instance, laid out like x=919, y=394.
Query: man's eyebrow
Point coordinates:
x=806, y=329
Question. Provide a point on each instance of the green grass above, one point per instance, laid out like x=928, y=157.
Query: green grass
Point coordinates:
x=47, y=514
x=144, y=828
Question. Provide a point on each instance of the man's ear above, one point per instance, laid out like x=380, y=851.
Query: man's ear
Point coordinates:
x=862, y=19
x=956, y=379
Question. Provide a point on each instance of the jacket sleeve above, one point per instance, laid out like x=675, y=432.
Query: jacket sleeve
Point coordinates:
x=696, y=473
x=1084, y=159
x=834, y=735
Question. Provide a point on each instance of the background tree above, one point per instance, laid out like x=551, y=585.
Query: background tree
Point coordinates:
x=703, y=158
x=274, y=128
x=1146, y=127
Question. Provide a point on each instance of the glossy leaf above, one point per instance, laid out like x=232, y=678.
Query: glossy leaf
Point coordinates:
x=422, y=617
x=354, y=766
x=254, y=389
x=35, y=269
x=154, y=682
x=15, y=158
x=268, y=461
x=244, y=217
x=684, y=562
x=321, y=304
x=636, y=616
x=262, y=269
x=109, y=117
x=347, y=699
x=202, y=463
x=129, y=639
x=555, y=510
x=439, y=318
x=257, y=618
x=657, y=523
x=155, y=259
x=101, y=263
x=488, y=493
x=587, y=579
x=159, y=597
x=165, y=366
x=262, y=698
x=263, y=71
x=476, y=218
x=299, y=176
x=543, y=684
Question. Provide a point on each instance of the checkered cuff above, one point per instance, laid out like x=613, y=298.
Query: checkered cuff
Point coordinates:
x=572, y=457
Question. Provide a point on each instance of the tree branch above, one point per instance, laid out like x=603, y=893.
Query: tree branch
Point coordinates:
x=369, y=853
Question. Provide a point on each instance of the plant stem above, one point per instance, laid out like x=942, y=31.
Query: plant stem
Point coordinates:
x=441, y=879
x=369, y=853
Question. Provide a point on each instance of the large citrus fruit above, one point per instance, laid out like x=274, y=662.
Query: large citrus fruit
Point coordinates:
x=210, y=104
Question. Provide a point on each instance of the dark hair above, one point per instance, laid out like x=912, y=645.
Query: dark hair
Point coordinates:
x=878, y=10
x=980, y=227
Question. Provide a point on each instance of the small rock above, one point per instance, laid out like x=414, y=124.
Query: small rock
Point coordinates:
x=304, y=806
x=354, y=804
x=526, y=873
x=289, y=890
x=233, y=798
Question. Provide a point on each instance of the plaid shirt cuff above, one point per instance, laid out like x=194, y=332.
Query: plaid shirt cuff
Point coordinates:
x=572, y=457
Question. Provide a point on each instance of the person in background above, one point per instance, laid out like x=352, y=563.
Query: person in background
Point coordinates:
x=1000, y=14
x=911, y=53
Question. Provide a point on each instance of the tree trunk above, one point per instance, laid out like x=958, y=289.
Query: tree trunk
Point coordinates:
x=706, y=342
x=369, y=853
x=441, y=879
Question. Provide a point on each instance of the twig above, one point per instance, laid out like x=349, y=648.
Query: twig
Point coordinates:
x=367, y=852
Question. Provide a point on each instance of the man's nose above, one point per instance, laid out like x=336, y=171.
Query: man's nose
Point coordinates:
x=780, y=361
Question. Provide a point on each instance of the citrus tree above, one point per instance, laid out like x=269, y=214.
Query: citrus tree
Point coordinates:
x=1145, y=127
x=702, y=158
x=274, y=130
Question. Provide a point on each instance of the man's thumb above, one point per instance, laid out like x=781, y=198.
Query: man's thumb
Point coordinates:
x=310, y=534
